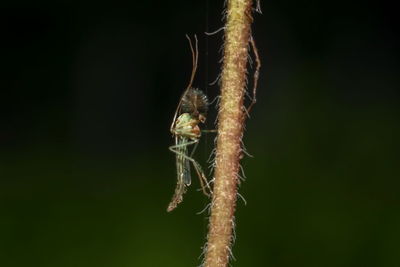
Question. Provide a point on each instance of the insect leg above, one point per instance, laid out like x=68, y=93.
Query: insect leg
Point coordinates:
x=209, y=131
x=256, y=73
x=200, y=173
x=196, y=165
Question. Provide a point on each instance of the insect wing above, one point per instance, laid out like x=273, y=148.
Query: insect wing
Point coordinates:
x=186, y=177
x=182, y=163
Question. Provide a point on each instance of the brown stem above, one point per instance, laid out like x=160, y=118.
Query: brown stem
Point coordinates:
x=230, y=131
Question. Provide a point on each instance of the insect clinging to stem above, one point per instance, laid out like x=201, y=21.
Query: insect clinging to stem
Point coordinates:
x=191, y=111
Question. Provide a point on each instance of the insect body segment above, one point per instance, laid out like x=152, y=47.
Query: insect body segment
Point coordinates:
x=187, y=126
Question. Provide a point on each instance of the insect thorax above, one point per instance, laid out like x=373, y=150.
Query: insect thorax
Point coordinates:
x=187, y=126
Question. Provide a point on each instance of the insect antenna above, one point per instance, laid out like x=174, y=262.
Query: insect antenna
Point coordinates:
x=195, y=57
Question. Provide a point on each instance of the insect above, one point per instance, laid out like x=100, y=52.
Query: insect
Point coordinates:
x=191, y=111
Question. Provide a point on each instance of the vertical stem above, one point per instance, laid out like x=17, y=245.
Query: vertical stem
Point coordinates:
x=230, y=131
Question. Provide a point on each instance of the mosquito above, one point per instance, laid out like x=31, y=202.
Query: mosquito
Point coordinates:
x=191, y=111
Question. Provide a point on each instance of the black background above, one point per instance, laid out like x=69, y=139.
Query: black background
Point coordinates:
x=87, y=96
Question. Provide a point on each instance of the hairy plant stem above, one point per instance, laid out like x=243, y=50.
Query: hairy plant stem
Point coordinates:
x=230, y=131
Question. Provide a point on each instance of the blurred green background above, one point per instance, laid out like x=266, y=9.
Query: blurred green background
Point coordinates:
x=87, y=97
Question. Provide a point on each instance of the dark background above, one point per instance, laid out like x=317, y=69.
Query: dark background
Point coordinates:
x=87, y=96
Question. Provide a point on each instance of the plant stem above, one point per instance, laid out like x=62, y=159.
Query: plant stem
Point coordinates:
x=230, y=131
